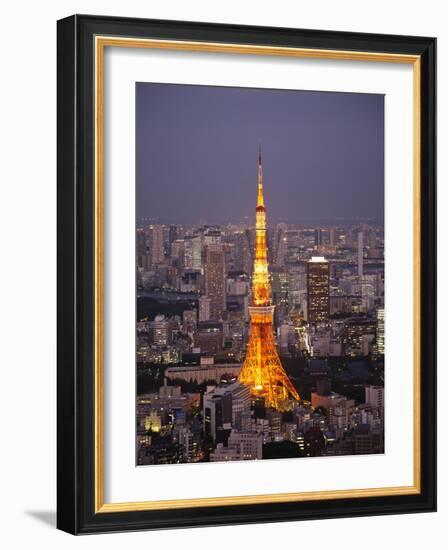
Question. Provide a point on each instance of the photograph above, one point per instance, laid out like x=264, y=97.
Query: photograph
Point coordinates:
x=246, y=263
x=259, y=257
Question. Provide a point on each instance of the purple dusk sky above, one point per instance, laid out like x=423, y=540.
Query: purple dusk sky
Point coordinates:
x=197, y=148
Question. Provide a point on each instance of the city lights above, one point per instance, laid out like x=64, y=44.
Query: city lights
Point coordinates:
x=258, y=341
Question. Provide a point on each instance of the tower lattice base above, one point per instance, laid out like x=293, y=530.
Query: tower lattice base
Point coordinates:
x=262, y=370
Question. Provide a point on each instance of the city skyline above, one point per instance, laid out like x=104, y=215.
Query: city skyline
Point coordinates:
x=246, y=221
x=196, y=144
x=257, y=339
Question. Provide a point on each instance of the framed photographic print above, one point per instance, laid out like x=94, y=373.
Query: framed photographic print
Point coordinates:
x=246, y=274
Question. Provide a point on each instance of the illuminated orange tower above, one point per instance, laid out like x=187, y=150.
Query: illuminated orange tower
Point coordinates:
x=262, y=369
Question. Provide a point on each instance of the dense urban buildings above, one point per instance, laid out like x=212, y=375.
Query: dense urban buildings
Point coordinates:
x=203, y=293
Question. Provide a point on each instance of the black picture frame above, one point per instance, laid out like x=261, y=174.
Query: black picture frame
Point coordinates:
x=76, y=259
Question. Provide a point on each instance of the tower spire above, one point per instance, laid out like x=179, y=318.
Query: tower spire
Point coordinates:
x=260, y=198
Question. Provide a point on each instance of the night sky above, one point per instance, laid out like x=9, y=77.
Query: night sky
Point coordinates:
x=197, y=149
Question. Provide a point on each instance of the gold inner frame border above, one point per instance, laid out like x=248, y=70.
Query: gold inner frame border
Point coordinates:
x=100, y=43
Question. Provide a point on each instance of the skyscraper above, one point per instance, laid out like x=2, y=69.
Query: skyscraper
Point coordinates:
x=215, y=279
x=280, y=244
x=175, y=233
x=360, y=253
x=140, y=246
x=225, y=404
x=156, y=244
x=262, y=370
x=332, y=236
x=162, y=331
x=380, y=330
x=318, y=290
x=193, y=252
x=280, y=294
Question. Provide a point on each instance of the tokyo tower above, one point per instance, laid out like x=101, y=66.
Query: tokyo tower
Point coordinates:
x=262, y=370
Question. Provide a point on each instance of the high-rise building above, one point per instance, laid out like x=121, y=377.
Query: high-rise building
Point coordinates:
x=280, y=294
x=155, y=233
x=143, y=246
x=332, y=236
x=318, y=290
x=217, y=412
x=262, y=370
x=318, y=237
x=297, y=288
x=193, y=252
x=357, y=333
x=140, y=246
x=240, y=403
x=212, y=235
x=175, y=233
x=374, y=395
x=380, y=330
x=215, y=279
x=360, y=253
x=280, y=244
x=162, y=331
x=275, y=424
x=186, y=443
x=224, y=407
x=177, y=252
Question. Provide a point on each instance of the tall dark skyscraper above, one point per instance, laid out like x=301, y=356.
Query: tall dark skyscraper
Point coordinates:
x=360, y=253
x=318, y=290
x=140, y=246
x=155, y=233
x=215, y=279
